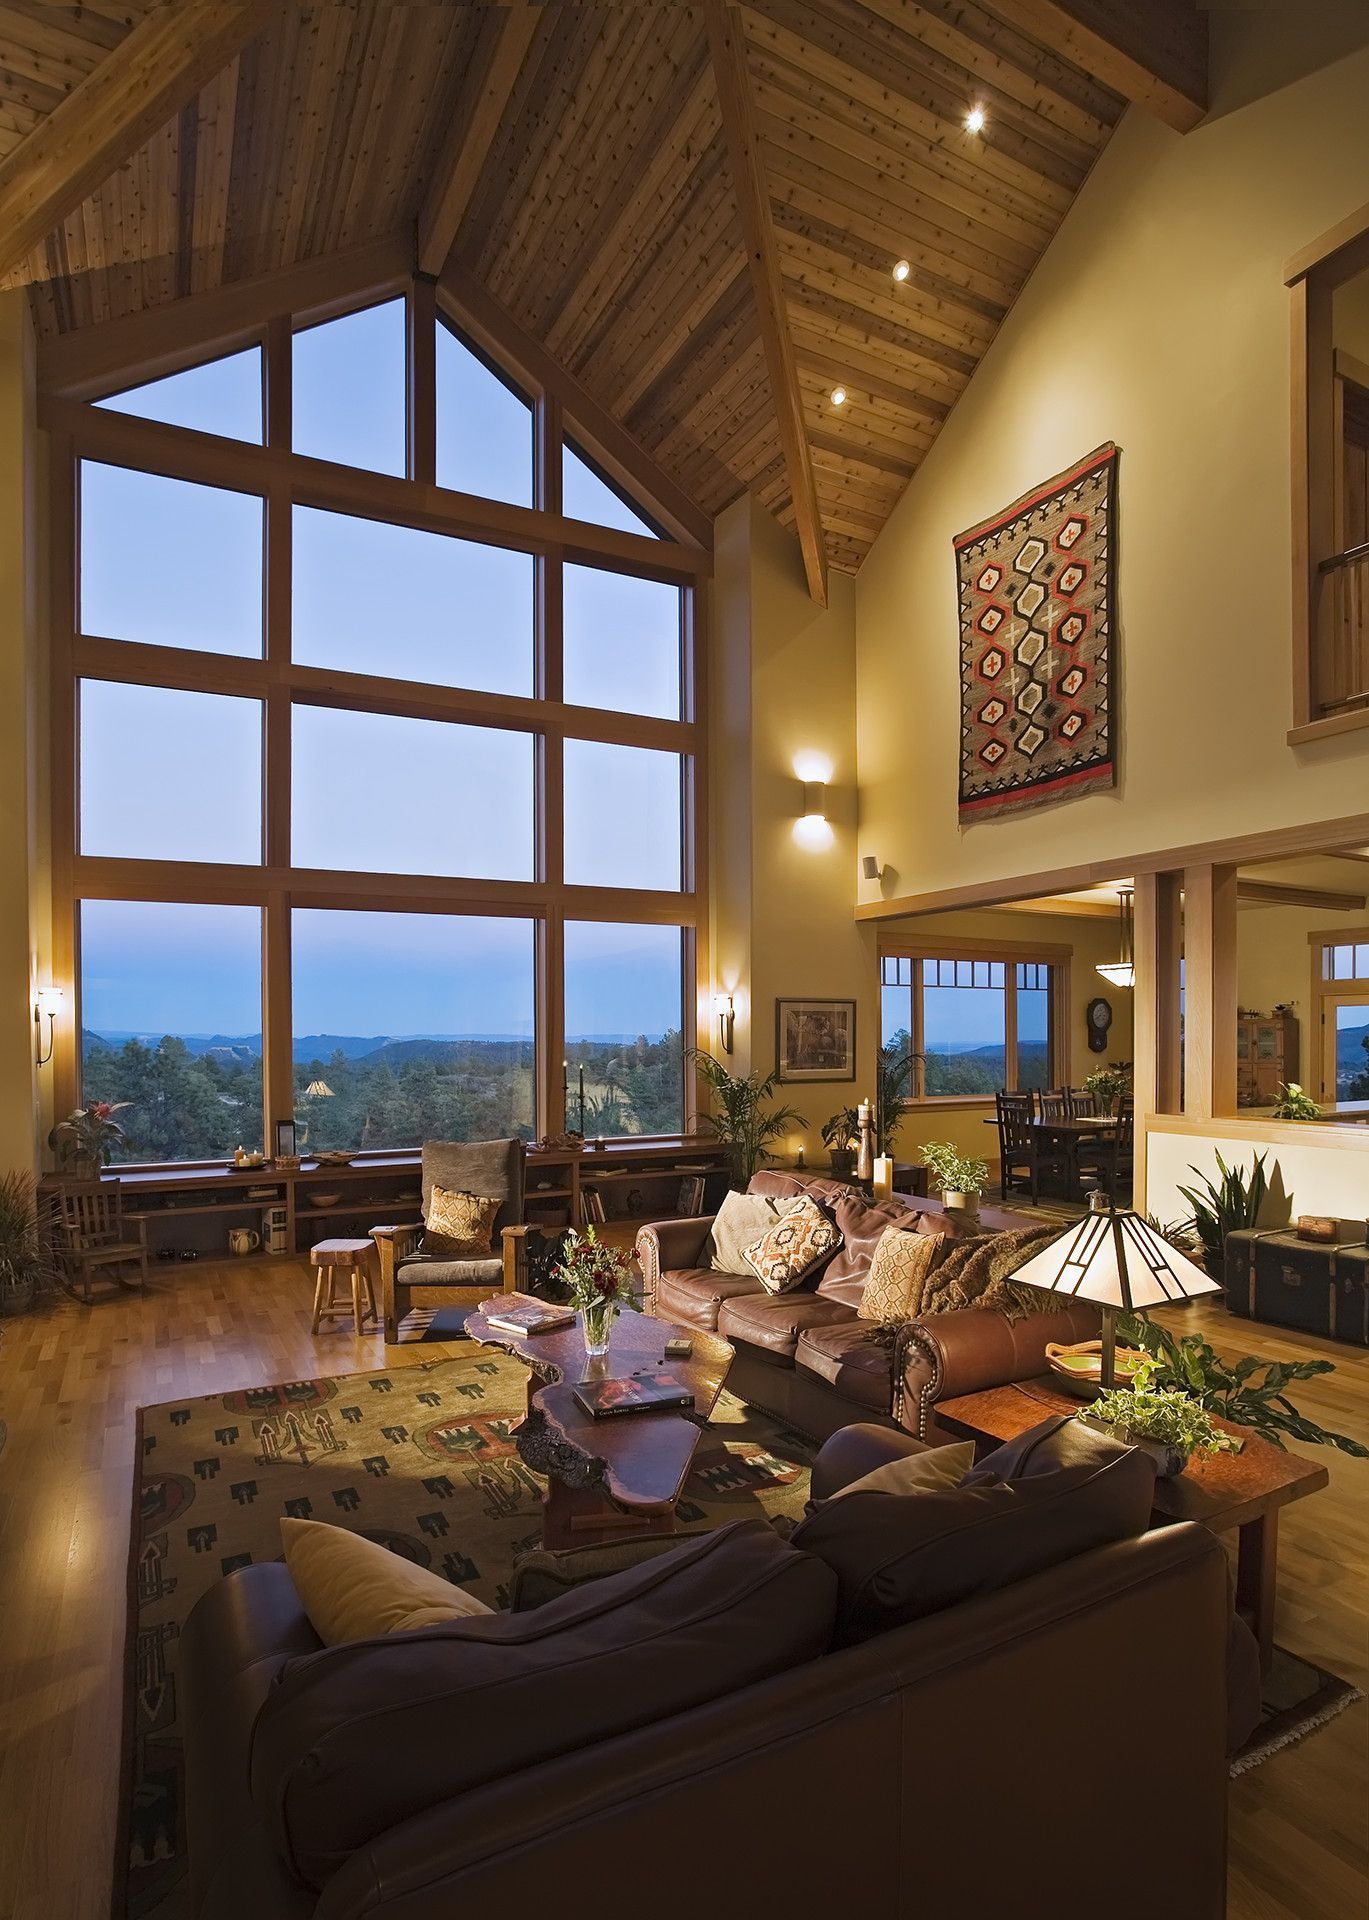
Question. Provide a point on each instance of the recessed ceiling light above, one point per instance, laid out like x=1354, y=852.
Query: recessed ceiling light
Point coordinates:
x=974, y=120
x=838, y=396
x=901, y=269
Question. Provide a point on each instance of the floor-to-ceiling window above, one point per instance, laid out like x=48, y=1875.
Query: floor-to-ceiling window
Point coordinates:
x=374, y=749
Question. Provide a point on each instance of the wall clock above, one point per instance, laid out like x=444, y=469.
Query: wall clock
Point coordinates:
x=1099, y=1017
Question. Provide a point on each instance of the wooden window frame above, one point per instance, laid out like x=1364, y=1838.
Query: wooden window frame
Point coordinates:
x=1010, y=956
x=1312, y=277
x=283, y=479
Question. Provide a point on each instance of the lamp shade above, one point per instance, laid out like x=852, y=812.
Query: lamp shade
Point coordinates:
x=1114, y=1258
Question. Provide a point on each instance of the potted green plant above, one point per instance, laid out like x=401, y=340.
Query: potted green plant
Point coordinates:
x=1163, y=1423
x=1109, y=1084
x=86, y=1139
x=893, y=1092
x=840, y=1134
x=598, y=1284
x=1220, y=1209
x=958, y=1178
x=741, y=1120
x=1294, y=1104
x=28, y=1261
x=1248, y=1392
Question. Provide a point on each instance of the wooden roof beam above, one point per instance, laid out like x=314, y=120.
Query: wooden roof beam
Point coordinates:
x=101, y=123
x=1153, y=55
x=469, y=139
x=728, y=53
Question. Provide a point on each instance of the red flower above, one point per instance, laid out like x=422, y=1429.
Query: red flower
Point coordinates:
x=102, y=1109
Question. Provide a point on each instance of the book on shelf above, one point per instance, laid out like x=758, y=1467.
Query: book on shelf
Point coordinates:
x=691, y=1197
x=531, y=1316
x=591, y=1206
x=634, y=1393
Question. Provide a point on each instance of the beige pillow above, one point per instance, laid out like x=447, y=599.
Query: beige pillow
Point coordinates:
x=792, y=1247
x=918, y=1473
x=899, y=1267
x=353, y=1589
x=458, y=1225
x=742, y=1218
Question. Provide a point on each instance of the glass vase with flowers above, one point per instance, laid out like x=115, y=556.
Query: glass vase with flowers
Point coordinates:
x=598, y=1283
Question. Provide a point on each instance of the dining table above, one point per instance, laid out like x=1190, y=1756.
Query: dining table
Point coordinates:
x=1067, y=1135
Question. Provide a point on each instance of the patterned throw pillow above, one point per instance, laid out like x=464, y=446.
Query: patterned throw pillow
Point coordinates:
x=458, y=1225
x=782, y=1257
x=899, y=1267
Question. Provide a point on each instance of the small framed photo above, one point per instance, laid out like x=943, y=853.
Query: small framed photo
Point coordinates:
x=815, y=1039
x=285, y=1139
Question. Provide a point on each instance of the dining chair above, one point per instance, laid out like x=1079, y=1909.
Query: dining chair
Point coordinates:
x=1018, y=1147
x=1109, y=1157
x=1055, y=1105
x=1082, y=1104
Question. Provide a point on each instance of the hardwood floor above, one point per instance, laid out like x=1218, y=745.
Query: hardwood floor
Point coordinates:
x=71, y=1379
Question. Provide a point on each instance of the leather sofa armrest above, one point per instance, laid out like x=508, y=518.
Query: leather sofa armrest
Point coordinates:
x=972, y=1348
x=667, y=1245
x=852, y=1452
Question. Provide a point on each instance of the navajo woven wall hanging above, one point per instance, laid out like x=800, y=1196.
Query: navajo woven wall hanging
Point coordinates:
x=1038, y=700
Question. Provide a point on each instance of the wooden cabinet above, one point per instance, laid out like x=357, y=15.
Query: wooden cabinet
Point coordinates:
x=1266, y=1056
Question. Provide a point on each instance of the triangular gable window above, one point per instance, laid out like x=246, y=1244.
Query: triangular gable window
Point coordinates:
x=587, y=495
x=348, y=385
x=220, y=396
x=484, y=427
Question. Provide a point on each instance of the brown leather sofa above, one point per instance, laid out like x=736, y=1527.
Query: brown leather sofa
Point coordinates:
x=808, y=1358
x=932, y=1768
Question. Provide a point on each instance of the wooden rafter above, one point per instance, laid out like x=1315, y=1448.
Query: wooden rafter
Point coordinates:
x=1153, y=55
x=728, y=53
x=469, y=140
x=137, y=88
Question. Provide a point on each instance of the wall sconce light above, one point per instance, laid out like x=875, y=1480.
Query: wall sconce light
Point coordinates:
x=727, y=1020
x=870, y=867
x=49, y=1005
x=814, y=800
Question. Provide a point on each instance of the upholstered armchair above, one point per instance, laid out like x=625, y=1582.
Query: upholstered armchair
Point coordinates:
x=491, y=1167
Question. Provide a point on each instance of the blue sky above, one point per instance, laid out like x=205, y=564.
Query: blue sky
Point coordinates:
x=170, y=774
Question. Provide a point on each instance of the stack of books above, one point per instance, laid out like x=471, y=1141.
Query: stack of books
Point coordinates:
x=521, y=1313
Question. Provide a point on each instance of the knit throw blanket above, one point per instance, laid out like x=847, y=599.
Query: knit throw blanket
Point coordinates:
x=976, y=1273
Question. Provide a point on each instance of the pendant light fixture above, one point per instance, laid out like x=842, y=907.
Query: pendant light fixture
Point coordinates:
x=1122, y=972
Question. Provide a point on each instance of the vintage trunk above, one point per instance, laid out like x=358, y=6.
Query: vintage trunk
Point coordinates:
x=1296, y=1283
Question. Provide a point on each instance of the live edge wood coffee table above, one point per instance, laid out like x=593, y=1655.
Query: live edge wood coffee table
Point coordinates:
x=621, y=1475
x=1223, y=1491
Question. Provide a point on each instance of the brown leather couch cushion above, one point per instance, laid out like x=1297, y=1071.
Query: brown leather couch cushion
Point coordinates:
x=693, y=1295
x=355, y=1738
x=1056, y=1442
x=851, y=1356
x=773, y=1321
x=899, y=1557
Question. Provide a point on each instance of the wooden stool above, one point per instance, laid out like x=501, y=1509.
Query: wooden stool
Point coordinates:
x=335, y=1259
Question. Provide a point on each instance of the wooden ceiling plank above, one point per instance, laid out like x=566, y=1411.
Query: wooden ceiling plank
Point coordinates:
x=1271, y=893
x=841, y=322
x=980, y=27
x=1154, y=55
x=149, y=76
x=811, y=263
x=469, y=141
x=889, y=458
x=728, y=52
x=841, y=371
x=209, y=228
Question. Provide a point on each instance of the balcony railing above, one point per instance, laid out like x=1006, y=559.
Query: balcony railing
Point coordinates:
x=1343, y=631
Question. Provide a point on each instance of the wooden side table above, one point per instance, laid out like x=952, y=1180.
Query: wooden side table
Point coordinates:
x=1242, y=1490
x=340, y=1262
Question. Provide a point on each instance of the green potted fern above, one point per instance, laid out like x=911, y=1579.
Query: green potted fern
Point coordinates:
x=742, y=1120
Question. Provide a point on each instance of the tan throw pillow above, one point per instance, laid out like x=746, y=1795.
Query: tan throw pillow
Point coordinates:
x=899, y=1268
x=353, y=1589
x=458, y=1225
x=792, y=1247
x=740, y=1219
x=917, y=1473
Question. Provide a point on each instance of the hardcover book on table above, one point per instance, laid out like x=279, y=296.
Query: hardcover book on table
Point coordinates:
x=634, y=1393
x=531, y=1316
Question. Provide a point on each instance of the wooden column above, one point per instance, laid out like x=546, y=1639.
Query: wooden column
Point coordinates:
x=1210, y=991
x=1155, y=1008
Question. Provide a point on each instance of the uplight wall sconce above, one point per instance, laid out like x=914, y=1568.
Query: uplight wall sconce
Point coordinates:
x=46, y=1007
x=727, y=1020
x=870, y=867
x=814, y=800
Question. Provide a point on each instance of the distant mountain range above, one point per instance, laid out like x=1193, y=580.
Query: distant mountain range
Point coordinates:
x=369, y=1050
x=1351, y=1057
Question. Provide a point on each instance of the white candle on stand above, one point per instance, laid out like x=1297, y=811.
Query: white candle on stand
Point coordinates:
x=884, y=1176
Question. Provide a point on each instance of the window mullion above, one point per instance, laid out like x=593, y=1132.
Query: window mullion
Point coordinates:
x=919, y=1032
x=1010, y=1069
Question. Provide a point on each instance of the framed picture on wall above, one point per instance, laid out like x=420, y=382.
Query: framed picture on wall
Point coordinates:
x=815, y=1039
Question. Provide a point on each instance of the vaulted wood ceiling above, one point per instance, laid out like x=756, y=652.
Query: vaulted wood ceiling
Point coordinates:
x=696, y=209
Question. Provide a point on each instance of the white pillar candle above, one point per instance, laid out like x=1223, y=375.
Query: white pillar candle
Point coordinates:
x=884, y=1176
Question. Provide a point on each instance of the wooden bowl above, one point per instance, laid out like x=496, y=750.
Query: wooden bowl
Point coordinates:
x=1079, y=1368
x=318, y=1199
x=334, y=1157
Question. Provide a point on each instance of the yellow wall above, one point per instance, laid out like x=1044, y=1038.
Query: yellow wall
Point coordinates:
x=23, y=960
x=1090, y=940
x=1158, y=319
x=782, y=688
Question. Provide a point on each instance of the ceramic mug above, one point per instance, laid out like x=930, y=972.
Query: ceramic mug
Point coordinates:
x=243, y=1240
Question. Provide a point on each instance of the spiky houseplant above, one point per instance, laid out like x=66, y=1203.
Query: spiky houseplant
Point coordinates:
x=1220, y=1208
x=28, y=1260
x=893, y=1092
x=742, y=1119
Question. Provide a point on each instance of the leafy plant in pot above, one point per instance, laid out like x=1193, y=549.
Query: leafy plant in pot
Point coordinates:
x=893, y=1092
x=959, y=1178
x=840, y=1135
x=1220, y=1209
x=742, y=1120
x=1164, y=1423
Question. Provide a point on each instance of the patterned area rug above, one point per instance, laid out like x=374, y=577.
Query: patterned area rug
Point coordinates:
x=420, y=1457
x=1297, y=1697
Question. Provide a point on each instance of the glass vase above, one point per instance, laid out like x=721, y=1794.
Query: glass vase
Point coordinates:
x=596, y=1326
